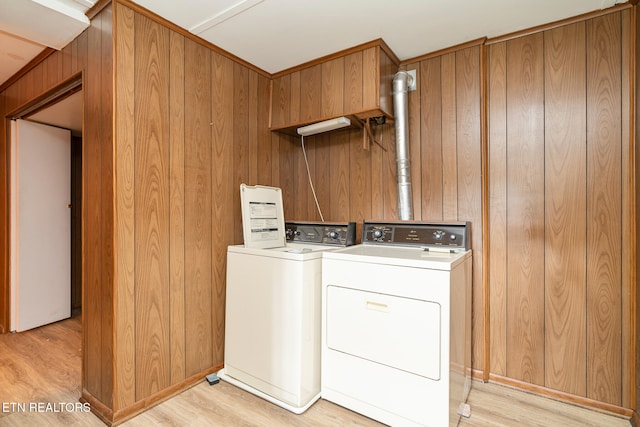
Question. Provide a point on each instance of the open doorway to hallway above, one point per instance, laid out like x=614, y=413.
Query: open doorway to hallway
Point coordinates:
x=45, y=363
x=66, y=113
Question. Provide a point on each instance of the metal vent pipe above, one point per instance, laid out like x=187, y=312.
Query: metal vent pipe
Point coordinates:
x=401, y=82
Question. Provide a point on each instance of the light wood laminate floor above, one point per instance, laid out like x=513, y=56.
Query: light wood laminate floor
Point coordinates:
x=43, y=366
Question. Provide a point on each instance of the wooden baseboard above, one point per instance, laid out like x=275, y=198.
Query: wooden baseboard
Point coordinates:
x=98, y=408
x=635, y=419
x=562, y=396
x=111, y=418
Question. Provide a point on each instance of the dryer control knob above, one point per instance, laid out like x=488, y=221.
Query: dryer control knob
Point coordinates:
x=334, y=235
x=378, y=233
x=438, y=235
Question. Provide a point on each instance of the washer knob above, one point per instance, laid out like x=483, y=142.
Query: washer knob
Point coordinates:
x=453, y=237
x=334, y=235
x=378, y=233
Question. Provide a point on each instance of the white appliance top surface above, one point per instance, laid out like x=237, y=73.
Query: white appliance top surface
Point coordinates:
x=399, y=255
x=292, y=251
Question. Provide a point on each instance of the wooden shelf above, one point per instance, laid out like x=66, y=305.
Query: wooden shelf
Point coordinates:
x=357, y=122
x=354, y=83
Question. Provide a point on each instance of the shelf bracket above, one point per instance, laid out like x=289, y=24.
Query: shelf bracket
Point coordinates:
x=367, y=136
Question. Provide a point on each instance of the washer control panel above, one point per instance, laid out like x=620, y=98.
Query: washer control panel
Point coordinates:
x=339, y=234
x=450, y=235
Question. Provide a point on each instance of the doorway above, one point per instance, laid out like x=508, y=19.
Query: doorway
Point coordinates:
x=64, y=110
x=66, y=113
x=40, y=232
x=61, y=107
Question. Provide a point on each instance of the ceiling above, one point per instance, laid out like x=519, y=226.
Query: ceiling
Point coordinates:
x=275, y=35
x=67, y=114
x=278, y=34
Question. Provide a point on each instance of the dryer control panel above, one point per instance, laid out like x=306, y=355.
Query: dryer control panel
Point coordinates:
x=449, y=235
x=324, y=233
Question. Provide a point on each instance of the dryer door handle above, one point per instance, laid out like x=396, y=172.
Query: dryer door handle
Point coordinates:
x=377, y=306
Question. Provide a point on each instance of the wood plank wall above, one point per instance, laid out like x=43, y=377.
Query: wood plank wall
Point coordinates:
x=354, y=184
x=91, y=55
x=445, y=137
x=634, y=211
x=191, y=125
x=559, y=192
x=4, y=218
x=98, y=214
x=559, y=182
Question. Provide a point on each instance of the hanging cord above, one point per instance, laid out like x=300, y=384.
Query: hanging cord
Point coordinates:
x=306, y=162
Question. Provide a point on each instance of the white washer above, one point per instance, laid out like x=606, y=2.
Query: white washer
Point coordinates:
x=273, y=300
x=396, y=324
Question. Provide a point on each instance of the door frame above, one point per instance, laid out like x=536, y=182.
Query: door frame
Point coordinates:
x=48, y=98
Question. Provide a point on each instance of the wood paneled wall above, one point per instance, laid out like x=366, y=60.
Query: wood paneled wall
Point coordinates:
x=354, y=184
x=4, y=218
x=161, y=179
x=98, y=214
x=191, y=125
x=559, y=185
x=88, y=56
x=634, y=211
x=445, y=136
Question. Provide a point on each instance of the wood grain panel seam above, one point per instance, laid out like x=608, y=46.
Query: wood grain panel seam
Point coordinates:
x=92, y=231
x=484, y=143
x=270, y=103
x=523, y=238
x=633, y=214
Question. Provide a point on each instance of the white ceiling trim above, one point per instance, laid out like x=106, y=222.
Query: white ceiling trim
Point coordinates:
x=222, y=16
x=64, y=9
x=85, y=3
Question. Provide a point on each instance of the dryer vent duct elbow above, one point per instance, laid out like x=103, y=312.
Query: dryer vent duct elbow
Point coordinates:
x=401, y=82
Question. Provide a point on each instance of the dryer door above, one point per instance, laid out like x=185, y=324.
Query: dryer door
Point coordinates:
x=400, y=332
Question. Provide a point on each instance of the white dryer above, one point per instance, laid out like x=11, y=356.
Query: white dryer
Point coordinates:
x=273, y=300
x=396, y=327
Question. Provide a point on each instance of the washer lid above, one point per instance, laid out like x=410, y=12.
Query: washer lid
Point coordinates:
x=262, y=216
